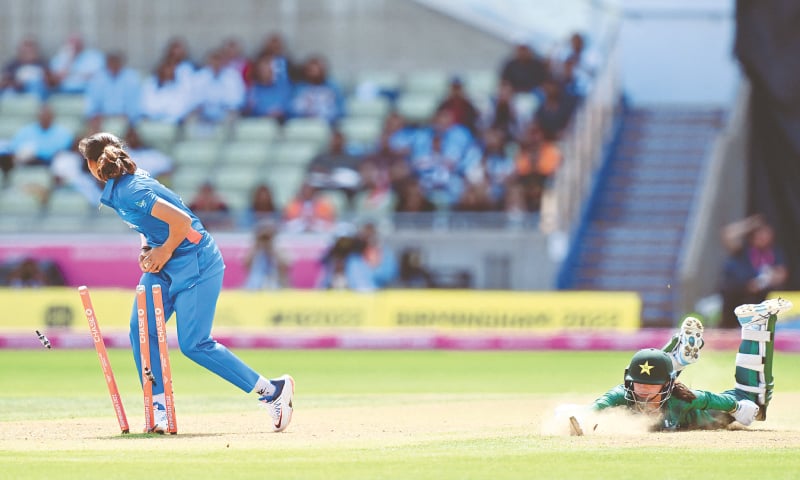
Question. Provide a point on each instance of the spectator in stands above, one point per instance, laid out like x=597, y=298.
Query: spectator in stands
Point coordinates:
x=176, y=52
x=336, y=168
x=315, y=95
x=379, y=257
x=573, y=89
x=401, y=135
x=386, y=166
x=411, y=199
x=70, y=170
x=525, y=71
x=413, y=272
x=164, y=97
x=262, y=204
x=233, y=55
x=345, y=267
x=27, y=72
x=574, y=55
x=493, y=170
x=376, y=199
x=74, y=65
x=37, y=143
x=27, y=274
x=217, y=90
x=755, y=266
x=460, y=107
x=284, y=67
x=502, y=114
x=114, y=91
x=456, y=140
x=554, y=113
x=309, y=212
x=209, y=206
x=267, y=95
x=266, y=270
x=475, y=198
x=439, y=174
x=535, y=162
x=152, y=160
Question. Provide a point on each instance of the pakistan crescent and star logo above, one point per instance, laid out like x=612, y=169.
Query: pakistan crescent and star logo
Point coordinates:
x=646, y=367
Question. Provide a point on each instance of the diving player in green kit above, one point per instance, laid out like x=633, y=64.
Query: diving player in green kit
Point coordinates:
x=650, y=385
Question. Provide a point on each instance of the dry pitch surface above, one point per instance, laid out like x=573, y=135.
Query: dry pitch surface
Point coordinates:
x=395, y=421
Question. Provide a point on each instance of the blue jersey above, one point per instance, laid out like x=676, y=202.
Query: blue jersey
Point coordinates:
x=133, y=197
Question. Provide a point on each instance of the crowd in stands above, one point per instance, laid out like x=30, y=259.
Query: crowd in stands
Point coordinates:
x=385, y=147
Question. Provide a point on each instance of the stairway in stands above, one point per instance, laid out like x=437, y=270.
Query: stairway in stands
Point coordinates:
x=634, y=227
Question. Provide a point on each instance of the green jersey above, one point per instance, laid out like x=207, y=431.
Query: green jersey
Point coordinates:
x=706, y=412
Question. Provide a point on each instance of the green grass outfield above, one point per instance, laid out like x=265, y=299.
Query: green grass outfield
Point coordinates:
x=63, y=390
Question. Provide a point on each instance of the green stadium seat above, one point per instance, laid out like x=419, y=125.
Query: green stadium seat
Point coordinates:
x=10, y=125
x=245, y=153
x=26, y=176
x=430, y=82
x=363, y=131
x=417, y=107
x=185, y=182
x=196, y=153
x=68, y=105
x=23, y=105
x=18, y=202
x=239, y=178
x=380, y=80
x=159, y=135
x=375, y=107
x=264, y=130
x=116, y=125
x=284, y=181
x=311, y=130
x=68, y=202
x=294, y=153
x=480, y=83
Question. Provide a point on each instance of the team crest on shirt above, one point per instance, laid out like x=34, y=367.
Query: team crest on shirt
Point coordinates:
x=140, y=203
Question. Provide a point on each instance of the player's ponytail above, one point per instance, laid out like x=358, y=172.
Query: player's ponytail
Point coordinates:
x=114, y=162
x=107, y=150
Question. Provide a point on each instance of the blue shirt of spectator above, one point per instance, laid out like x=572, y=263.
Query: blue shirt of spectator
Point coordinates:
x=271, y=91
x=73, y=65
x=41, y=139
x=115, y=90
x=316, y=95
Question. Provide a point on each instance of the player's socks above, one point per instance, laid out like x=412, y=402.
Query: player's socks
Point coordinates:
x=264, y=388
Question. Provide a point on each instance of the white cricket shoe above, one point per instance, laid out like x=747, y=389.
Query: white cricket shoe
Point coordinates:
x=758, y=314
x=690, y=341
x=279, y=404
x=160, y=423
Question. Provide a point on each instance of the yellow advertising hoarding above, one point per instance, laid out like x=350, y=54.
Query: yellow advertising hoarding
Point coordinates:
x=292, y=309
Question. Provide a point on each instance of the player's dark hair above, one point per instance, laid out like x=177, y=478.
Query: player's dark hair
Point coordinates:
x=682, y=392
x=107, y=150
x=114, y=162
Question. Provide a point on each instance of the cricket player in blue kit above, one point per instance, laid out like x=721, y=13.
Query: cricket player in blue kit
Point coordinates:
x=180, y=255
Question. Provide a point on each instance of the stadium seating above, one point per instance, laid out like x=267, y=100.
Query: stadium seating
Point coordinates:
x=160, y=135
x=25, y=106
x=255, y=130
x=68, y=105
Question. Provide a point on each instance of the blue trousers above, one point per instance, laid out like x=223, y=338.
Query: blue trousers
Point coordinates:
x=194, y=303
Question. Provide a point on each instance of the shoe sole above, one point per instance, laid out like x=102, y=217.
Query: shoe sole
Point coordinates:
x=286, y=413
x=767, y=307
x=691, y=329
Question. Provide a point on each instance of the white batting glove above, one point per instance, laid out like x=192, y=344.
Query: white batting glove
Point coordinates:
x=746, y=412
